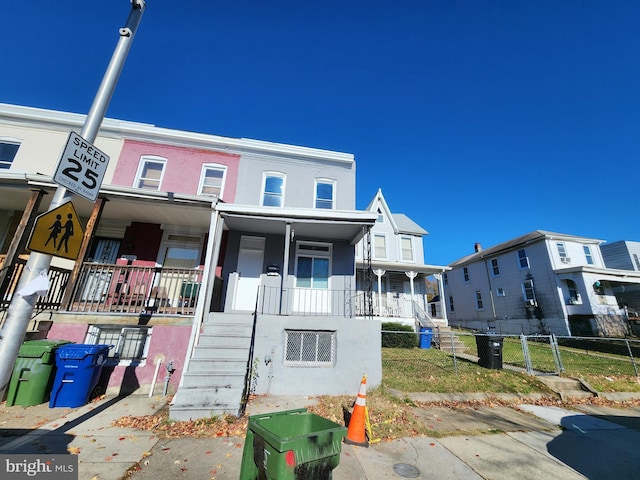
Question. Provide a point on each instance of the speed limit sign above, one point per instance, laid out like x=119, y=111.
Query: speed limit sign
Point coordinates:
x=81, y=167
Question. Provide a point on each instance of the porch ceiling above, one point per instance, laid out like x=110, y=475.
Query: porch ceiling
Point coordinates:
x=405, y=267
x=123, y=205
x=309, y=224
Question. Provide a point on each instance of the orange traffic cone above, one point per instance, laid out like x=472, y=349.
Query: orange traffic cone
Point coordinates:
x=356, y=432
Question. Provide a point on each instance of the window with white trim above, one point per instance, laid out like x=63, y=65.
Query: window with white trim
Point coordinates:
x=562, y=251
x=380, y=246
x=500, y=292
x=465, y=274
x=406, y=249
x=529, y=293
x=130, y=344
x=324, y=194
x=523, y=260
x=479, y=304
x=212, y=180
x=273, y=184
x=574, y=296
x=8, y=151
x=636, y=260
x=150, y=173
x=587, y=254
x=380, y=218
x=495, y=268
x=310, y=348
x=313, y=265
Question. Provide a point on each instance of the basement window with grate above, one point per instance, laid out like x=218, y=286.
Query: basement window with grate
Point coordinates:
x=310, y=348
x=130, y=344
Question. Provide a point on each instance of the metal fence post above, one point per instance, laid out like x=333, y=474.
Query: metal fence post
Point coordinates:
x=453, y=352
x=633, y=361
x=556, y=354
x=525, y=353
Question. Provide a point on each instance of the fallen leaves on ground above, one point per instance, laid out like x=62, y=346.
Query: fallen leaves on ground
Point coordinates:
x=390, y=418
x=225, y=426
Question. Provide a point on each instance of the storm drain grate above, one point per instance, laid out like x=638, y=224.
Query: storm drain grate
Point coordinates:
x=405, y=470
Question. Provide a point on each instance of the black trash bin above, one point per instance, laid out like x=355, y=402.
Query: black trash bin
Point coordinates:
x=489, y=350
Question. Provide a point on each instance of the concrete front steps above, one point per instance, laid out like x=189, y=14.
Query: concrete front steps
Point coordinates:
x=214, y=381
x=567, y=388
x=448, y=341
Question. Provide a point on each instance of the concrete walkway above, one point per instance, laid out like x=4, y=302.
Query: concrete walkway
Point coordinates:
x=530, y=442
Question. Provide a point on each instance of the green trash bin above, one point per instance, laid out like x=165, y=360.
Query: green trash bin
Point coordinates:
x=292, y=444
x=32, y=375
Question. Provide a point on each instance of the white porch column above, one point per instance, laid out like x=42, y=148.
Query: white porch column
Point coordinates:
x=411, y=274
x=379, y=273
x=284, y=290
x=443, y=304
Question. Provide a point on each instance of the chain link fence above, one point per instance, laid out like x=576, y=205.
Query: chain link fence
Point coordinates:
x=407, y=354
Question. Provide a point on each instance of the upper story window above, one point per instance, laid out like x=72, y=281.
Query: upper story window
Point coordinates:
x=380, y=246
x=562, y=251
x=406, y=244
x=324, y=194
x=500, y=292
x=273, y=189
x=587, y=254
x=8, y=151
x=479, y=304
x=523, y=260
x=150, y=173
x=495, y=269
x=380, y=218
x=212, y=180
x=445, y=279
x=637, y=260
x=465, y=273
x=529, y=293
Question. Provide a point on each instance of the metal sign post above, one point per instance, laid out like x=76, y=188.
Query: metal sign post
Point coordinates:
x=22, y=305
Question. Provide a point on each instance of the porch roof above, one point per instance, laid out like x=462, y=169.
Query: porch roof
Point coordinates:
x=305, y=223
x=398, y=267
x=125, y=204
x=606, y=274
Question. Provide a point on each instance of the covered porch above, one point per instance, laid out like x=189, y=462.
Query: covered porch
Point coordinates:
x=400, y=292
x=289, y=261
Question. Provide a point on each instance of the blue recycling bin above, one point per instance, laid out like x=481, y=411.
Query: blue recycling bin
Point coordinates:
x=426, y=335
x=78, y=369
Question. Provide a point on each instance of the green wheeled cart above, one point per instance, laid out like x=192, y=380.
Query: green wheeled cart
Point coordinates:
x=32, y=374
x=292, y=444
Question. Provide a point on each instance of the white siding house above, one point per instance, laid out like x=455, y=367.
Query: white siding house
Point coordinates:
x=541, y=282
x=396, y=253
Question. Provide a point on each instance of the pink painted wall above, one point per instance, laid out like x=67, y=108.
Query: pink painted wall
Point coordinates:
x=182, y=170
x=168, y=342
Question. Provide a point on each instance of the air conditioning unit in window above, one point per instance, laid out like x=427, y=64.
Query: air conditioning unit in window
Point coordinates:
x=565, y=259
x=530, y=303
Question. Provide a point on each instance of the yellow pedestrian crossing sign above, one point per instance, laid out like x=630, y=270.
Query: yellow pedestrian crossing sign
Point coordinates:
x=57, y=232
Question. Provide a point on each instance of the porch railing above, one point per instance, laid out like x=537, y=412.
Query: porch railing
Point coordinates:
x=58, y=279
x=389, y=305
x=136, y=289
x=305, y=302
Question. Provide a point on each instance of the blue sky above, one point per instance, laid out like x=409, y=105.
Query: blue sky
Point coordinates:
x=480, y=120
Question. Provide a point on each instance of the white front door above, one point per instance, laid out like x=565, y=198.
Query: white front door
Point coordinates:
x=250, y=259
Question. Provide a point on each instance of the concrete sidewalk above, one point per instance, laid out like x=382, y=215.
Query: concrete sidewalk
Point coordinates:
x=532, y=443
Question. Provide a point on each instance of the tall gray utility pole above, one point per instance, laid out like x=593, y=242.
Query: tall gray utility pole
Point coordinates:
x=21, y=307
